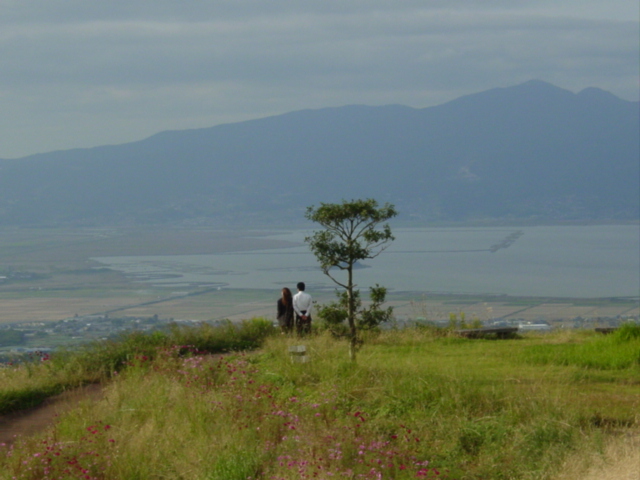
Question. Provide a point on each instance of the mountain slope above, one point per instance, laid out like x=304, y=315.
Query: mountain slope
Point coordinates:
x=533, y=151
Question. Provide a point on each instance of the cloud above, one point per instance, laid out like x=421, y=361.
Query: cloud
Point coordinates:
x=119, y=71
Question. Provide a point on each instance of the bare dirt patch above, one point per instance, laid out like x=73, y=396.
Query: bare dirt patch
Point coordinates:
x=37, y=419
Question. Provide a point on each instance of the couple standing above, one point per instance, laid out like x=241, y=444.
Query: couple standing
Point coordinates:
x=298, y=305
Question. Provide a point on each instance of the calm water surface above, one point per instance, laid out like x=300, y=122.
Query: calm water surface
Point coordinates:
x=589, y=261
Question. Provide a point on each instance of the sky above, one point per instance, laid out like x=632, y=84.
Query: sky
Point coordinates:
x=84, y=73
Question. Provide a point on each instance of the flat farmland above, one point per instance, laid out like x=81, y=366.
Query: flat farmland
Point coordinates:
x=437, y=307
x=51, y=309
x=233, y=305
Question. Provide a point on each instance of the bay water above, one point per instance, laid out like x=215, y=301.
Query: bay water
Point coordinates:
x=557, y=261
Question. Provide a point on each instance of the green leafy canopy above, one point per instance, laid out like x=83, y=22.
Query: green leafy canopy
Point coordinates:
x=352, y=232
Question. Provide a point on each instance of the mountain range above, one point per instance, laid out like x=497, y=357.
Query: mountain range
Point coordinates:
x=532, y=152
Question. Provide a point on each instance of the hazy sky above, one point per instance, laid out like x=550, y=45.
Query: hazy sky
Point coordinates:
x=81, y=73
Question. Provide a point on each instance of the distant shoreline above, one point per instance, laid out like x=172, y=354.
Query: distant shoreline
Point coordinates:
x=51, y=274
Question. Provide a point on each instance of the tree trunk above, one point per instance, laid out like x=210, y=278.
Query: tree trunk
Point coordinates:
x=352, y=349
x=353, y=334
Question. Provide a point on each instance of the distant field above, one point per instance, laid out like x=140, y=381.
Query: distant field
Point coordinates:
x=242, y=304
x=48, y=275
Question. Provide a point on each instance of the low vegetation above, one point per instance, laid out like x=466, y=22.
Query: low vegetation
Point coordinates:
x=206, y=403
x=99, y=362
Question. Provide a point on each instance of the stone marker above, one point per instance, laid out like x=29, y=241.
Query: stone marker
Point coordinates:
x=298, y=353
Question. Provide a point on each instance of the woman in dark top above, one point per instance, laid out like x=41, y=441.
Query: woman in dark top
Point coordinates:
x=285, y=311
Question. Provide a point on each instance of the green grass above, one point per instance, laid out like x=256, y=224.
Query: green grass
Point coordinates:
x=32, y=382
x=617, y=351
x=417, y=404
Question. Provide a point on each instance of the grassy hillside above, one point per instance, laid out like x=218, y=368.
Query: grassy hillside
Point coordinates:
x=418, y=404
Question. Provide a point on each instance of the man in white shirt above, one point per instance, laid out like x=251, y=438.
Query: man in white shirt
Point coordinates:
x=302, y=306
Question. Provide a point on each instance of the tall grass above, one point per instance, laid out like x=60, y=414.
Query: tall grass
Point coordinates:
x=30, y=383
x=616, y=351
x=416, y=405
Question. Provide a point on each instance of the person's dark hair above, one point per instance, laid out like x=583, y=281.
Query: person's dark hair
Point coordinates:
x=300, y=286
x=286, y=296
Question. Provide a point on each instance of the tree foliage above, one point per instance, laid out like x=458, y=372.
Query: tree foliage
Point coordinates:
x=352, y=231
x=369, y=318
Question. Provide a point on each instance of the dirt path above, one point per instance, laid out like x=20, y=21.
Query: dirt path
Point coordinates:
x=37, y=419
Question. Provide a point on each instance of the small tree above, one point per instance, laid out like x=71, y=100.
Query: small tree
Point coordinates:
x=352, y=231
x=370, y=318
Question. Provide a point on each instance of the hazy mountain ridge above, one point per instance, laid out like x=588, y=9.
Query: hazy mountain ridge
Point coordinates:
x=529, y=152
